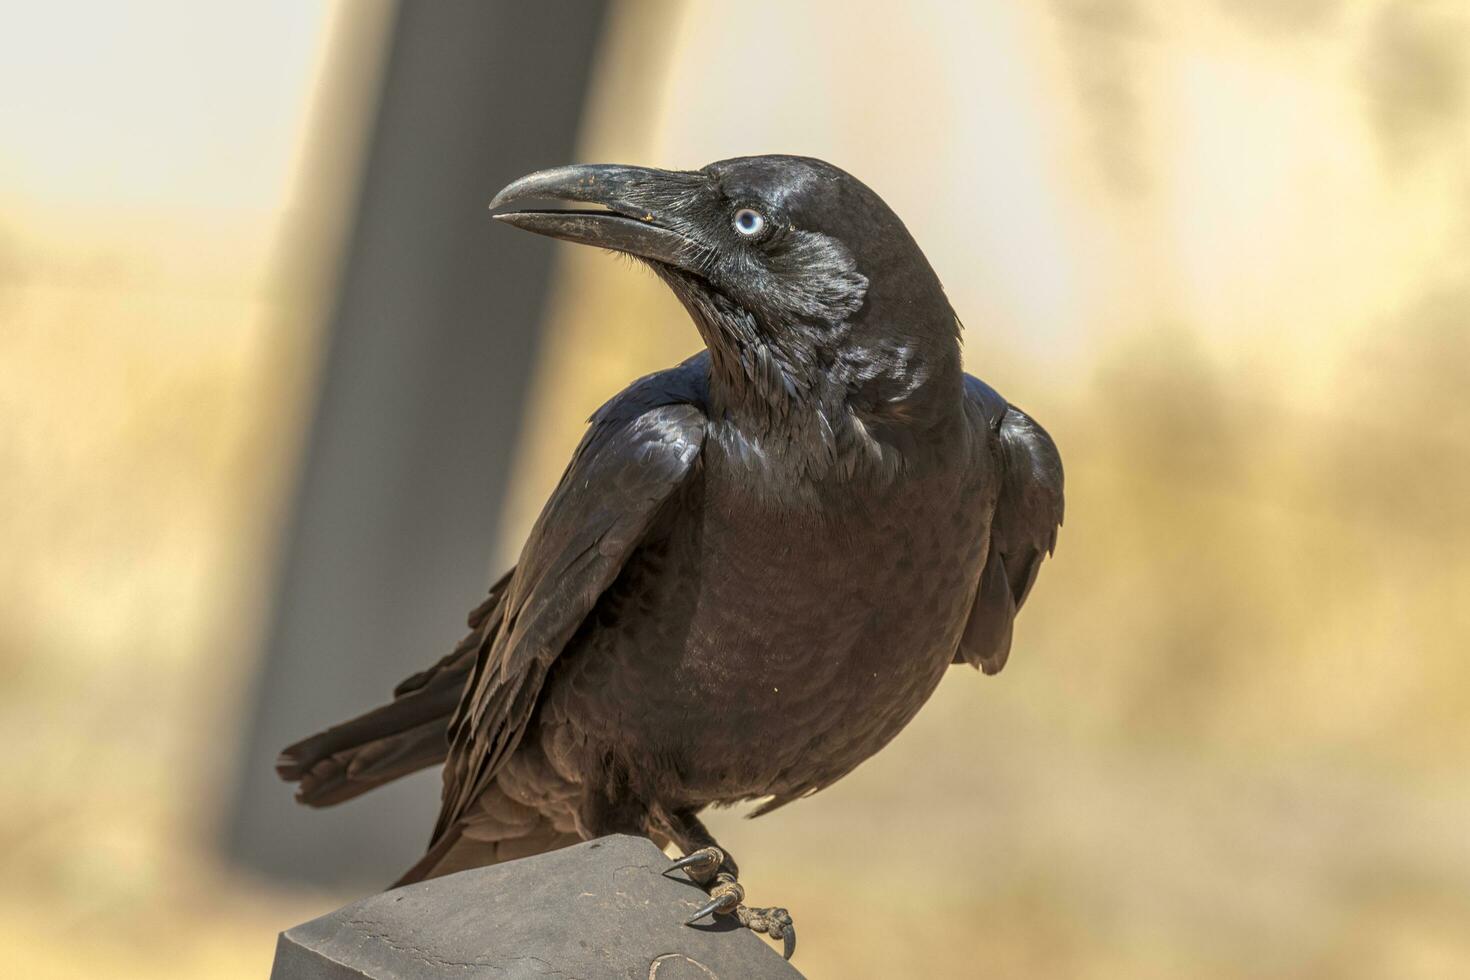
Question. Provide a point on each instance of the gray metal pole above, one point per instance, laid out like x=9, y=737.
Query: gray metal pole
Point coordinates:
x=430, y=346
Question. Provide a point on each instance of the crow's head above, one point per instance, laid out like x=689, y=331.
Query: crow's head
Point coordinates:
x=803, y=283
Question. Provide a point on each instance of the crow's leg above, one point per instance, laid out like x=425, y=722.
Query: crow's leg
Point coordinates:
x=712, y=867
x=612, y=810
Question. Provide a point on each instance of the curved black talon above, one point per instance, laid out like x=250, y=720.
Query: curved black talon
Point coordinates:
x=774, y=922
x=700, y=865
x=726, y=897
x=724, y=902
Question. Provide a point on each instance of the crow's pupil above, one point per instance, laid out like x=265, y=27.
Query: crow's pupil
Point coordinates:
x=748, y=221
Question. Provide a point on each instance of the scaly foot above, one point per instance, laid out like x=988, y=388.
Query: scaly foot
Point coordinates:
x=706, y=867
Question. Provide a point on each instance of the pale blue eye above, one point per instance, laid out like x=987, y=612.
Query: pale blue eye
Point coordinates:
x=749, y=222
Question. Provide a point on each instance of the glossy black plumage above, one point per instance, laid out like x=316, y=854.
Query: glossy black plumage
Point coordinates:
x=758, y=564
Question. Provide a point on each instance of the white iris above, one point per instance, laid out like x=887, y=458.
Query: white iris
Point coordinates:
x=749, y=222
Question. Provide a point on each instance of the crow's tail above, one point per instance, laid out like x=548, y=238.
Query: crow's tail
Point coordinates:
x=405, y=735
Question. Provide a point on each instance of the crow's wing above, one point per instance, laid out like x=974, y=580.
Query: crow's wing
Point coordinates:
x=1023, y=530
x=641, y=448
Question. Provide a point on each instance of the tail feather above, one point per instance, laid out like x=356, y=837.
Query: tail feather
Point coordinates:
x=353, y=771
x=347, y=760
x=407, y=734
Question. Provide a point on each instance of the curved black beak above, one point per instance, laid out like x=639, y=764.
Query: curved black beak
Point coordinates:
x=638, y=199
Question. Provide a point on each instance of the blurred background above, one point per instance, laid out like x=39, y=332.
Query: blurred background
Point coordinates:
x=278, y=401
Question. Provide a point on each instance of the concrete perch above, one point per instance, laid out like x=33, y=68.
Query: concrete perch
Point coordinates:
x=602, y=909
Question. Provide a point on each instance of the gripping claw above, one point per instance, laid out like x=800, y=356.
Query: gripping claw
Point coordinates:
x=774, y=922
x=725, y=901
x=700, y=865
x=726, y=897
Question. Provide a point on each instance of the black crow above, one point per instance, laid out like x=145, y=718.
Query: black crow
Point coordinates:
x=758, y=563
